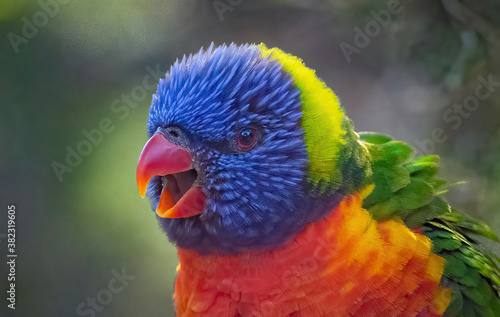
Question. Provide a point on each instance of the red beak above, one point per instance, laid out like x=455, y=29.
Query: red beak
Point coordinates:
x=161, y=157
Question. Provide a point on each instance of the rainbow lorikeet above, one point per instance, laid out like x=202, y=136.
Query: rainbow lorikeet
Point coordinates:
x=279, y=208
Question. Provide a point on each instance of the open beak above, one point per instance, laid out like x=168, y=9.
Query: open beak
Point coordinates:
x=179, y=199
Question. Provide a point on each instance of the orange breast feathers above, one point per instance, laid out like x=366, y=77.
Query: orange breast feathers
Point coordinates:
x=345, y=265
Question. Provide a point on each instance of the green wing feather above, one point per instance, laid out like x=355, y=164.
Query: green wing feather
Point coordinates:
x=407, y=187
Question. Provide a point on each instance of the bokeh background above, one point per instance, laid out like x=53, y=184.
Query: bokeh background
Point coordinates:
x=81, y=62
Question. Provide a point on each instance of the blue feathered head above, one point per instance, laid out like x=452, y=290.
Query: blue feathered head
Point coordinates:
x=227, y=168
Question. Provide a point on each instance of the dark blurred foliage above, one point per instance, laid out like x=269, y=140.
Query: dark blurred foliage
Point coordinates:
x=73, y=233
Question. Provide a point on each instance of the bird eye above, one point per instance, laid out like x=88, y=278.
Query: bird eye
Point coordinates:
x=247, y=138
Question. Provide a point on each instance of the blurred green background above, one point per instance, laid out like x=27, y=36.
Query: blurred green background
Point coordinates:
x=66, y=66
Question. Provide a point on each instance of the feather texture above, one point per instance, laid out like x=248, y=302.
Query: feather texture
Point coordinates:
x=406, y=187
x=345, y=265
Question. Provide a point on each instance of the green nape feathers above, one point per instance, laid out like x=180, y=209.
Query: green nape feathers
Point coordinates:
x=335, y=157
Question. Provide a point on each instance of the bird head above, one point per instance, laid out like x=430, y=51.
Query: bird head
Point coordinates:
x=247, y=146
